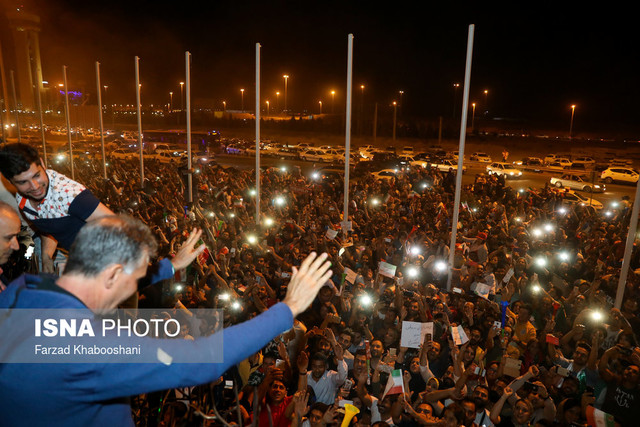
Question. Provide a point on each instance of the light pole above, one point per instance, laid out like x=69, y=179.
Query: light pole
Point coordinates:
x=473, y=115
x=277, y=101
x=224, y=106
x=333, y=99
x=573, y=110
x=360, y=119
x=267, y=107
x=181, y=96
x=320, y=103
x=170, y=101
x=401, y=92
x=286, y=81
x=395, y=105
x=455, y=98
x=242, y=96
x=486, y=102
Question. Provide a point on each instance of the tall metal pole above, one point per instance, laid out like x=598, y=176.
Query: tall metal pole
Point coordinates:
x=463, y=134
x=41, y=115
x=628, y=249
x=395, y=109
x=347, y=150
x=99, y=88
x=139, y=112
x=15, y=105
x=67, y=113
x=187, y=61
x=258, y=133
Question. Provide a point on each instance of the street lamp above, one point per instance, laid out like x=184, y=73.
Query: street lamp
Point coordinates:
x=473, y=115
x=455, y=98
x=401, y=92
x=242, y=97
x=277, y=101
x=181, y=96
x=286, y=80
x=170, y=101
x=267, y=107
x=224, y=106
x=333, y=98
x=395, y=105
x=573, y=110
x=320, y=103
x=486, y=102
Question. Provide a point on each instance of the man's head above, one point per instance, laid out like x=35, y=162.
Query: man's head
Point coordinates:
x=480, y=396
x=469, y=407
x=22, y=166
x=318, y=365
x=112, y=251
x=9, y=229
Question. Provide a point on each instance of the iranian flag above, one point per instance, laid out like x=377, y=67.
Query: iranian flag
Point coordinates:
x=597, y=418
x=395, y=385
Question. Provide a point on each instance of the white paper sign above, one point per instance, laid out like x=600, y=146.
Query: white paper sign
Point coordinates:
x=413, y=333
x=331, y=233
x=351, y=275
x=459, y=335
x=483, y=290
x=508, y=276
x=386, y=269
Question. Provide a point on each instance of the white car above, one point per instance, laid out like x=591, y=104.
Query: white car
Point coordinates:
x=446, y=165
x=386, y=174
x=619, y=174
x=550, y=158
x=577, y=182
x=122, y=154
x=585, y=160
x=572, y=198
x=164, y=157
x=407, y=151
x=560, y=164
x=503, y=169
x=479, y=156
x=368, y=151
x=314, y=156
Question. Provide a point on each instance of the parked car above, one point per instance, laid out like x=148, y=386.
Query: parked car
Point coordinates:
x=287, y=153
x=577, y=182
x=503, y=169
x=235, y=149
x=479, y=156
x=122, y=154
x=313, y=156
x=529, y=161
x=587, y=161
x=619, y=174
x=447, y=164
x=385, y=174
x=570, y=197
x=550, y=158
x=560, y=164
x=407, y=151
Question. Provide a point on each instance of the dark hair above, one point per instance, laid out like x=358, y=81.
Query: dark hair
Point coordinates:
x=319, y=356
x=319, y=406
x=113, y=239
x=17, y=158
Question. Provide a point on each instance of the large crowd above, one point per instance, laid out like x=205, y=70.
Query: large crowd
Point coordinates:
x=526, y=336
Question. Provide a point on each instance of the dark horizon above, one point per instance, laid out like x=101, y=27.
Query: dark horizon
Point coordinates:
x=533, y=66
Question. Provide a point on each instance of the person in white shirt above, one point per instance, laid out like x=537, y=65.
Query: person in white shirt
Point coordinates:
x=325, y=383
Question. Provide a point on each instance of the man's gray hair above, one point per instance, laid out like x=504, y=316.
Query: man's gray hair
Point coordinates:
x=114, y=239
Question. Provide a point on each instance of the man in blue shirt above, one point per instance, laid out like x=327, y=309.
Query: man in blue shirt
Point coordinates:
x=107, y=258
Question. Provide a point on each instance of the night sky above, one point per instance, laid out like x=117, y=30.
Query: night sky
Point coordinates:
x=534, y=64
